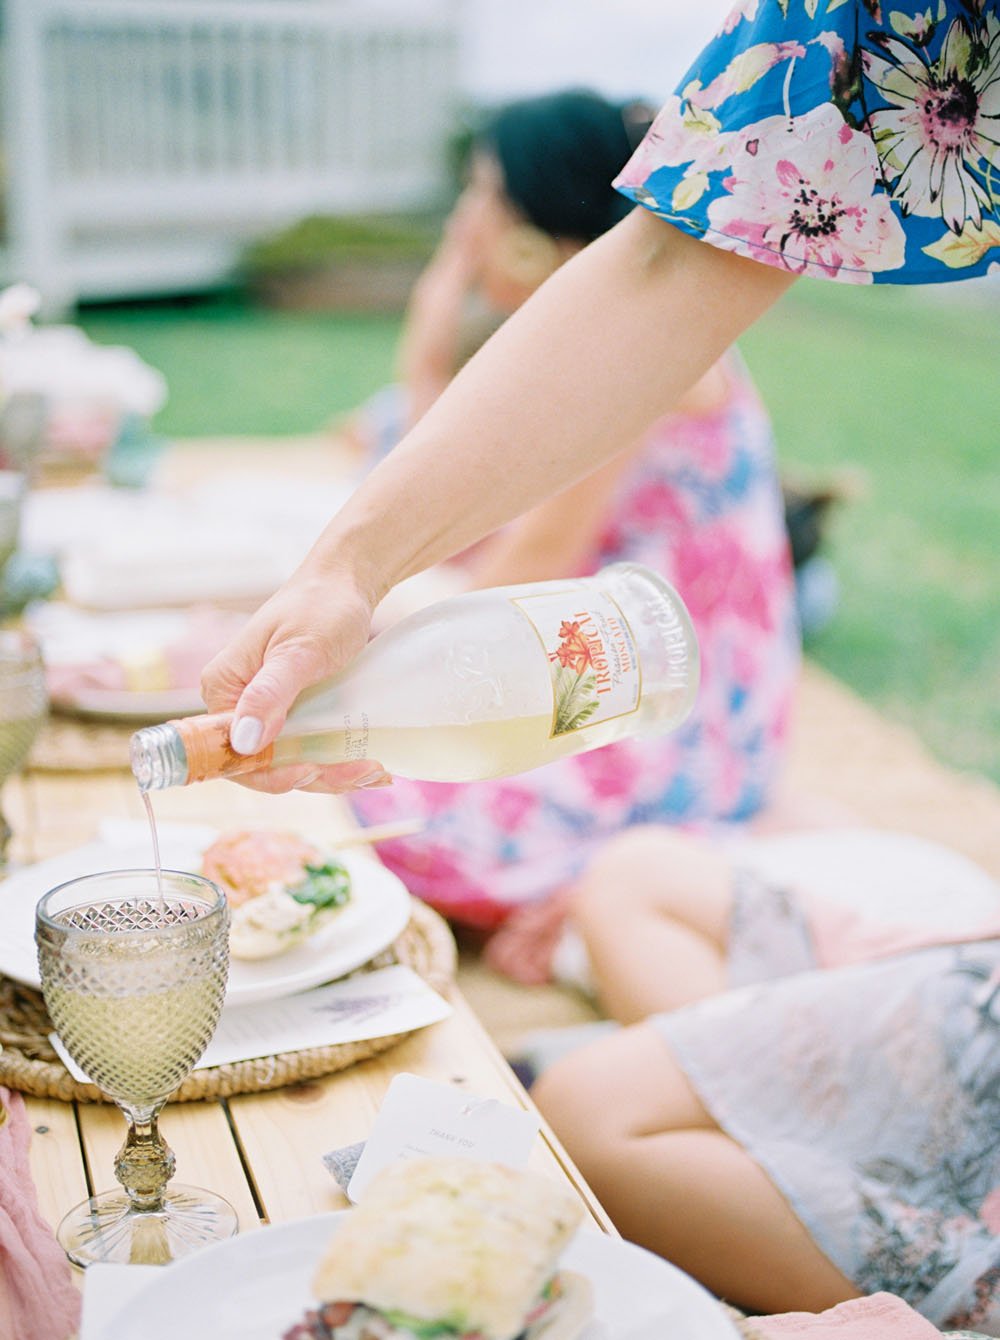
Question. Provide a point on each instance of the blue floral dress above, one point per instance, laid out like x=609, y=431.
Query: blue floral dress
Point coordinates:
x=844, y=139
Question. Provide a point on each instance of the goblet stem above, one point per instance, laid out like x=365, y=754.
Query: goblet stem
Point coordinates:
x=145, y=1163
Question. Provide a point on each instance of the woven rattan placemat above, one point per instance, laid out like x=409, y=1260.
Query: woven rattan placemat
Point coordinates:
x=28, y=1063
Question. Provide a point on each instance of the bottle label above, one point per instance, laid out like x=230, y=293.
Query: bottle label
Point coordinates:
x=593, y=659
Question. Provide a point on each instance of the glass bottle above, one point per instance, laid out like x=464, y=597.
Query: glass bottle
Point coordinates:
x=482, y=684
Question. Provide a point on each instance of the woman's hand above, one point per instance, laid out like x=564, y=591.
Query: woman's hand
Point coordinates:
x=307, y=631
x=467, y=235
x=431, y=338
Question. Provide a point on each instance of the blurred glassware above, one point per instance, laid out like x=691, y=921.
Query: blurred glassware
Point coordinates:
x=132, y=457
x=133, y=965
x=23, y=708
x=64, y=397
x=13, y=486
x=23, y=417
x=25, y=579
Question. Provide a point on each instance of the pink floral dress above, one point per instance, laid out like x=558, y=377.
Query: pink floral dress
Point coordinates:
x=700, y=504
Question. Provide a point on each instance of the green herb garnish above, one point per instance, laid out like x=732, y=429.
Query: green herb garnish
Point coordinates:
x=423, y=1329
x=327, y=885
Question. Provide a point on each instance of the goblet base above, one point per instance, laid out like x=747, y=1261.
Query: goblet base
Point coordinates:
x=108, y=1230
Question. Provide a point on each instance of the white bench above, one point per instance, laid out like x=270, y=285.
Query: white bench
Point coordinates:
x=146, y=140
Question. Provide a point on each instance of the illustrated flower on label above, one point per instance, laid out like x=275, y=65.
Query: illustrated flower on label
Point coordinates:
x=574, y=650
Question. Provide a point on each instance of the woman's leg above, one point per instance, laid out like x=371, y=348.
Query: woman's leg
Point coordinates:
x=525, y=945
x=653, y=910
x=674, y=1183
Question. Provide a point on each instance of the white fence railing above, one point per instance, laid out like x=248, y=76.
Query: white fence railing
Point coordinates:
x=146, y=140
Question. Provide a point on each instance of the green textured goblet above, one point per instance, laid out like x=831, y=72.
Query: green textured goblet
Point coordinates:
x=133, y=966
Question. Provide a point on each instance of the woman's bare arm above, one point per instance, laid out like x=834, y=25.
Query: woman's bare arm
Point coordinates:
x=554, y=538
x=557, y=536
x=609, y=343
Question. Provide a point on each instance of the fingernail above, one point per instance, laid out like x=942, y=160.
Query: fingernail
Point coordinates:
x=377, y=778
x=244, y=735
x=308, y=778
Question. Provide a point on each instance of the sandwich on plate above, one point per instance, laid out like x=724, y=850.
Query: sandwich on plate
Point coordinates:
x=451, y=1249
x=280, y=888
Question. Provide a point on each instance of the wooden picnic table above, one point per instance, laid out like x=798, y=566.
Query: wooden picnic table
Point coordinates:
x=262, y=1151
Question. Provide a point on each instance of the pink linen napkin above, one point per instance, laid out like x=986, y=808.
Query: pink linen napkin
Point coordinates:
x=38, y=1300
x=842, y=935
x=174, y=660
x=881, y=1316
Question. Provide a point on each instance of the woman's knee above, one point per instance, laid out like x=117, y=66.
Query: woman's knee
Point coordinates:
x=627, y=871
x=653, y=870
x=624, y=1085
x=568, y=1094
x=573, y=1097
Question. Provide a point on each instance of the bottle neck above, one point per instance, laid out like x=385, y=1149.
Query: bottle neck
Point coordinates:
x=192, y=749
x=158, y=757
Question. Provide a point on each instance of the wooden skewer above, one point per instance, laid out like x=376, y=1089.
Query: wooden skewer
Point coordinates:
x=355, y=837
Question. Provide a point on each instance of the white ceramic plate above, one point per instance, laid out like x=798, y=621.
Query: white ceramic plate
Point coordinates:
x=378, y=911
x=73, y=638
x=256, y=1286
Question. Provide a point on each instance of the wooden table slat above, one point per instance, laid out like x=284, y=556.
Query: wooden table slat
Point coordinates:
x=285, y=1133
x=56, y=1162
x=200, y=1137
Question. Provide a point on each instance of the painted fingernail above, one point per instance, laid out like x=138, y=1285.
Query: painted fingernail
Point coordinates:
x=244, y=735
x=376, y=778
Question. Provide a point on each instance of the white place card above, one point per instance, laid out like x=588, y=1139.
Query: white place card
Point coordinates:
x=369, y=1005
x=420, y=1116
x=107, y=1290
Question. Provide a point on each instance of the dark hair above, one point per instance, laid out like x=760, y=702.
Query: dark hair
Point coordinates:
x=559, y=154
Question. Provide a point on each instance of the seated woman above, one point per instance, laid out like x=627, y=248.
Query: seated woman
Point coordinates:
x=805, y=1102
x=697, y=499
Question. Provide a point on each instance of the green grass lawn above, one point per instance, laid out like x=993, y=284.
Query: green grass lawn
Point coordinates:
x=902, y=384
x=232, y=367
x=899, y=383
